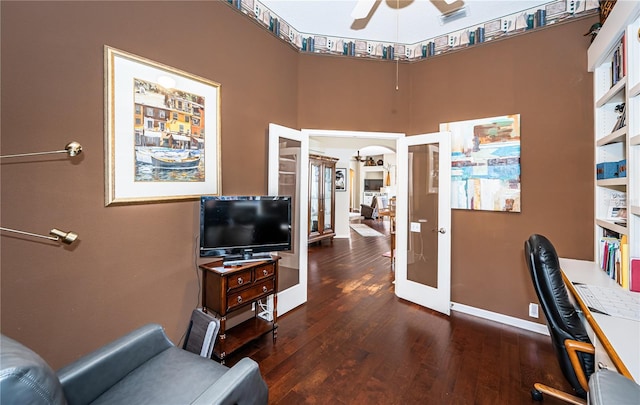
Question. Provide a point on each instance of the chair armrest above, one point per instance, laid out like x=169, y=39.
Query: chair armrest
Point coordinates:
x=573, y=347
x=242, y=385
x=90, y=376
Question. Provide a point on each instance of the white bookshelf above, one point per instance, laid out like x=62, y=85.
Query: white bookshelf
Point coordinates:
x=624, y=143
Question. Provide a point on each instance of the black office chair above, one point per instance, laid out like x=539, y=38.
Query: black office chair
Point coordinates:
x=568, y=335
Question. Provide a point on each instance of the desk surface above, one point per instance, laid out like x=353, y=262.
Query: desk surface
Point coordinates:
x=620, y=337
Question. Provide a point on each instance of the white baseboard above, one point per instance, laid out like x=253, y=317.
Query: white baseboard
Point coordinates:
x=504, y=319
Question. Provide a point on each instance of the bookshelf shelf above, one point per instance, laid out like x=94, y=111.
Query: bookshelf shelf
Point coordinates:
x=614, y=95
x=635, y=90
x=618, y=181
x=616, y=136
x=613, y=57
x=611, y=226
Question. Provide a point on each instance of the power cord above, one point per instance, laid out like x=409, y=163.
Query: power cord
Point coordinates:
x=195, y=266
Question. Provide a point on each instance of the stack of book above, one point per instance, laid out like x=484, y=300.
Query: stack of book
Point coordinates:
x=614, y=259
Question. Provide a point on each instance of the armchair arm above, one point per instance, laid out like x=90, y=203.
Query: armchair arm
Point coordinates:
x=242, y=385
x=90, y=376
x=573, y=347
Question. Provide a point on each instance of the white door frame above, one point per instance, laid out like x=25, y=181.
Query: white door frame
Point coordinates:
x=296, y=295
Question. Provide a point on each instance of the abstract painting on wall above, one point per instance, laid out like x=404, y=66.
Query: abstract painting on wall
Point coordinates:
x=485, y=163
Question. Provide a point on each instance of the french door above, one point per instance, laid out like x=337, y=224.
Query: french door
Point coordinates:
x=423, y=220
x=289, y=175
x=423, y=216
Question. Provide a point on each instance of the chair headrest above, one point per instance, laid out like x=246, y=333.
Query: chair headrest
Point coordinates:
x=547, y=279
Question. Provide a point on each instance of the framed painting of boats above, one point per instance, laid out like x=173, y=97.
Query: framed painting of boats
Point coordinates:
x=162, y=131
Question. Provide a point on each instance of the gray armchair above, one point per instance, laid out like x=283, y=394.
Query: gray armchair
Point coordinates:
x=143, y=367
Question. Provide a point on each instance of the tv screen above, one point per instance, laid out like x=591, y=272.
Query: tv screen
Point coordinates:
x=238, y=227
x=372, y=184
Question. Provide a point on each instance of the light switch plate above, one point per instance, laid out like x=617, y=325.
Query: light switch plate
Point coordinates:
x=415, y=227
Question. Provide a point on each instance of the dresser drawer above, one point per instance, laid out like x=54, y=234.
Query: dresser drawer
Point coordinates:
x=262, y=272
x=242, y=297
x=240, y=279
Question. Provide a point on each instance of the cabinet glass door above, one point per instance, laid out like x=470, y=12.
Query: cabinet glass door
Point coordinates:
x=314, y=197
x=328, y=197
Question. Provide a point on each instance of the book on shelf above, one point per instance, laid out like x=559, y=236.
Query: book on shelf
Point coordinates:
x=610, y=257
x=617, y=206
x=618, y=62
x=634, y=284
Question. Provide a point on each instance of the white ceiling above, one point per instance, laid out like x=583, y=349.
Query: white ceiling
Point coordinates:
x=414, y=21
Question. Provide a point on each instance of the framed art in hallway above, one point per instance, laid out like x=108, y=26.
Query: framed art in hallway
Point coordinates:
x=162, y=131
x=341, y=179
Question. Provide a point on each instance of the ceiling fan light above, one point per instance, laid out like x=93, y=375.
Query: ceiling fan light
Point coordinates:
x=453, y=16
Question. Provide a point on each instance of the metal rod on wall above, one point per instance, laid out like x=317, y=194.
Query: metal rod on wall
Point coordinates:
x=72, y=149
x=55, y=234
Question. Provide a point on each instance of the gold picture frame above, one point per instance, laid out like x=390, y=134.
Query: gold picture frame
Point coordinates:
x=162, y=131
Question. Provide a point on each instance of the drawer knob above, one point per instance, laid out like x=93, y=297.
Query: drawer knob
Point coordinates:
x=265, y=272
x=239, y=299
x=240, y=280
x=264, y=288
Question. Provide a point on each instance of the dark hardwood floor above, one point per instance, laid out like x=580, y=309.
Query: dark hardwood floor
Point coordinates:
x=355, y=342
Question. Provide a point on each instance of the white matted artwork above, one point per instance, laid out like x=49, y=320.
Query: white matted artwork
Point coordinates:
x=341, y=179
x=485, y=163
x=162, y=139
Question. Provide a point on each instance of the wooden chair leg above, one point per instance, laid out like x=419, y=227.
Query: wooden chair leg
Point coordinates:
x=545, y=389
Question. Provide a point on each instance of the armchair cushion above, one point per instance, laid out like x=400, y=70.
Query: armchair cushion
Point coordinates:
x=143, y=367
x=25, y=378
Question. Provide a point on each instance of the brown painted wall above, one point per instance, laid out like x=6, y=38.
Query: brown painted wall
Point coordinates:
x=135, y=263
x=542, y=76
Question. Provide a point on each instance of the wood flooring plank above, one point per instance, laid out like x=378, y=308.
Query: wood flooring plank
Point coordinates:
x=356, y=342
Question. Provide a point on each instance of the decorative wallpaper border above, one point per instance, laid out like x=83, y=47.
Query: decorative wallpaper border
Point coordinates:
x=538, y=17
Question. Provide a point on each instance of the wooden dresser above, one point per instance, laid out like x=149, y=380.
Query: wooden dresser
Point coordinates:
x=227, y=289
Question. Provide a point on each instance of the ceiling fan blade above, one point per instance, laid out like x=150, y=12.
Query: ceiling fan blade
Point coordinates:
x=362, y=9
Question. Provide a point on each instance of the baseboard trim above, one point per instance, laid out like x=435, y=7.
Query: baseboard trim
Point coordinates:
x=504, y=319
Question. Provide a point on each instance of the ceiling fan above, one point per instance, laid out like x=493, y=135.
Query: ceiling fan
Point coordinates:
x=359, y=158
x=364, y=8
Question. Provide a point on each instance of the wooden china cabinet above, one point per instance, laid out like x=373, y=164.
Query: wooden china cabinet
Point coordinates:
x=322, y=193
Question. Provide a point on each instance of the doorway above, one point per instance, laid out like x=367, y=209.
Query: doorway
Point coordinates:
x=278, y=139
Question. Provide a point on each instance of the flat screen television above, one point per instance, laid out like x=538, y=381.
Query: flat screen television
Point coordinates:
x=244, y=227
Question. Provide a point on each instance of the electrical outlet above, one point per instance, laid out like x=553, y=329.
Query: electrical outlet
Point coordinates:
x=505, y=25
x=452, y=40
x=291, y=35
x=571, y=7
x=407, y=52
x=369, y=49
x=256, y=10
x=533, y=310
x=330, y=44
x=415, y=227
